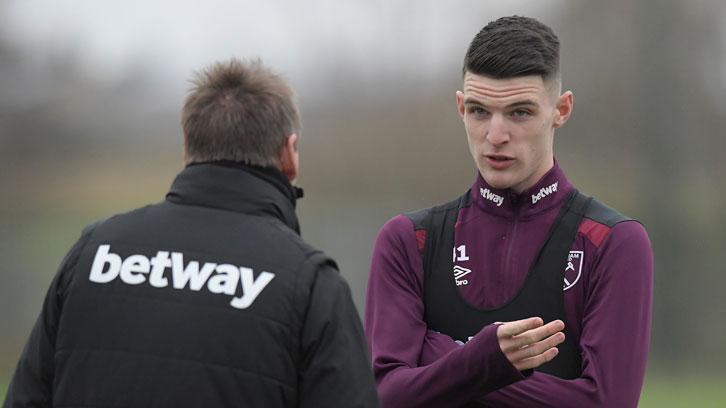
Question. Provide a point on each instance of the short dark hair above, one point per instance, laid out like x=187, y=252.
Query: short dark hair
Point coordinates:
x=512, y=47
x=238, y=111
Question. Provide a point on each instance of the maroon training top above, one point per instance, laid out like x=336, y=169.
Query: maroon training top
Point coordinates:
x=607, y=299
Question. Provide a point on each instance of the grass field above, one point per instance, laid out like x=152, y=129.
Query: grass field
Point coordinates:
x=659, y=392
x=698, y=392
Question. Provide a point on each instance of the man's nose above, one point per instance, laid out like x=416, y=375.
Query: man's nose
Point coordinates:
x=498, y=133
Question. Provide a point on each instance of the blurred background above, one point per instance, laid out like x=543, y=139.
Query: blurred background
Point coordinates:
x=90, y=94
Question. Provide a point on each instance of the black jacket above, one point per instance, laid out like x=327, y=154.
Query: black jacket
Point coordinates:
x=207, y=299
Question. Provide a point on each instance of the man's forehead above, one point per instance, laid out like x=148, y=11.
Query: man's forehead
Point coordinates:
x=482, y=87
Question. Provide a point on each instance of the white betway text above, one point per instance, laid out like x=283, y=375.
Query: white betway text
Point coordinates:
x=218, y=278
x=544, y=192
x=498, y=200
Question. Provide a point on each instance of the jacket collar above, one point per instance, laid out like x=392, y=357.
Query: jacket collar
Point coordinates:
x=548, y=192
x=237, y=187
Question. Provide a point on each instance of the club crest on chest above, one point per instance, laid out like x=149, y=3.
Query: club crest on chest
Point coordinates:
x=573, y=269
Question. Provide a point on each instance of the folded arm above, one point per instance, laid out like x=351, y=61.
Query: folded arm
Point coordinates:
x=397, y=334
x=615, y=334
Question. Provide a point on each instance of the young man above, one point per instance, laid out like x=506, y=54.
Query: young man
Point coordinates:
x=209, y=298
x=525, y=243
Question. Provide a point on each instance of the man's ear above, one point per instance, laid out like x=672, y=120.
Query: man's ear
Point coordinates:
x=564, y=109
x=460, y=103
x=289, y=158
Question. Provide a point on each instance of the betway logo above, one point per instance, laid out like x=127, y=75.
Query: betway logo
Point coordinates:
x=544, y=192
x=488, y=195
x=135, y=269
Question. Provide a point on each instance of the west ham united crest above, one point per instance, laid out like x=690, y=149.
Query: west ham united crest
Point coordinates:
x=573, y=269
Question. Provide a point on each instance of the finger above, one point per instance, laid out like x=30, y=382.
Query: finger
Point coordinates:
x=519, y=326
x=536, y=361
x=533, y=336
x=536, y=348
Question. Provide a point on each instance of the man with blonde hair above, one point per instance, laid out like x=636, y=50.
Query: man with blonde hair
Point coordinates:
x=208, y=298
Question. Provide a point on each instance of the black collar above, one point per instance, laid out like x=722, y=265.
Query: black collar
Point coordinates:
x=237, y=187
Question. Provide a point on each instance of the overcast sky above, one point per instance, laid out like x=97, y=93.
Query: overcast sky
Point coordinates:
x=304, y=39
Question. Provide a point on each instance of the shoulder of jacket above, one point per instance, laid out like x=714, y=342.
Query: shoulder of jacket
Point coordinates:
x=604, y=214
x=599, y=220
x=118, y=217
x=320, y=259
x=73, y=255
x=421, y=218
x=288, y=237
x=89, y=229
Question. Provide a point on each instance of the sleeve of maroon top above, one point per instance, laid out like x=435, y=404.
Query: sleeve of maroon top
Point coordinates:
x=396, y=333
x=615, y=334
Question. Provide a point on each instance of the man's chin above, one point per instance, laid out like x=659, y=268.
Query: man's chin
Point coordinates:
x=502, y=186
x=499, y=183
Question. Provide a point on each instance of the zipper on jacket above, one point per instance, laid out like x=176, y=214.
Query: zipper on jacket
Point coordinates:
x=517, y=204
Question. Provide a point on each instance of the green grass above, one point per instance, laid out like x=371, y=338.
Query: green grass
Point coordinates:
x=702, y=391
x=3, y=388
x=658, y=392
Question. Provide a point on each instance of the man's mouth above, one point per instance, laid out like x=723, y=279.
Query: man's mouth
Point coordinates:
x=498, y=157
x=499, y=161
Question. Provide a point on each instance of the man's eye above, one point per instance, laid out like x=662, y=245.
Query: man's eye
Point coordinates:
x=478, y=111
x=520, y=113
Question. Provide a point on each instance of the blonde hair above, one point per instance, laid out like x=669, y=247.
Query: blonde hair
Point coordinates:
x=238, y=111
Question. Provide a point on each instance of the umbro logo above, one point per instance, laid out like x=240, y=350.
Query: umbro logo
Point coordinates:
x=459, y=273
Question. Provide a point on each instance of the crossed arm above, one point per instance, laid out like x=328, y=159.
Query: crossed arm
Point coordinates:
x=397, y=334
x=614, y=340
x=414, y=366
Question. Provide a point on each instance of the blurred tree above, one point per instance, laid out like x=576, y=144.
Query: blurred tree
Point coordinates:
x=660, y=137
